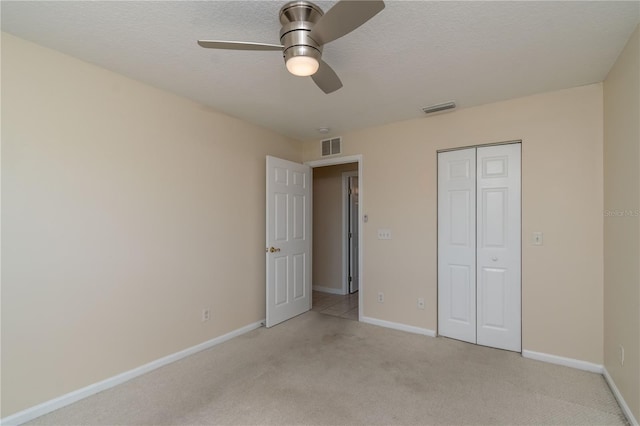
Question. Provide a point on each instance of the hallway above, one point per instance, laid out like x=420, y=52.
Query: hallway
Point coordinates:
x=343, y=306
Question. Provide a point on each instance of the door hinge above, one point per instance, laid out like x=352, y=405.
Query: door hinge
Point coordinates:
x=350, y=279
x=350, y=235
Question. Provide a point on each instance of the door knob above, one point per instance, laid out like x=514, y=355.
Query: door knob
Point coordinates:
x=273, y=249
x=494, y=258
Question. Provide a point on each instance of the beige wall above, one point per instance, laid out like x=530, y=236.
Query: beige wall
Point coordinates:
x=327, y=225
x=621, y=223
x=562, y=191
x=125, y=211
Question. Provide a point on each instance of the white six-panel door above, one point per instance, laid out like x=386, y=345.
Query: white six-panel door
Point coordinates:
x=457, y=244
x=498, y=254
x=288, y=240
x=487, y=309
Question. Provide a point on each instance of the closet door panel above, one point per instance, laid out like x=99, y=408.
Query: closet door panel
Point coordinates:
x=498, y=255
x=457, y=244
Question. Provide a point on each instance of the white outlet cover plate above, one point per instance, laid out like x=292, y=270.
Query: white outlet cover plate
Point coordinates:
x=537, y=239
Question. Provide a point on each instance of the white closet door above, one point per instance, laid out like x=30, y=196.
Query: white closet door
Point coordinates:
x=498, y=247
x=457, y=244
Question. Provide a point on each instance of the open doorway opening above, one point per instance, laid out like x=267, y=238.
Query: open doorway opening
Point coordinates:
x=336, y=278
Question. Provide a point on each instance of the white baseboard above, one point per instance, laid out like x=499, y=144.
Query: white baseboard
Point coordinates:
x=67, y=399
x=399, y=326
x=623, y=404
x=329, y=290
x=567, y=362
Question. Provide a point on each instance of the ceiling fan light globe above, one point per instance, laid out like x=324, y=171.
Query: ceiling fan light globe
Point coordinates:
x=302, y=66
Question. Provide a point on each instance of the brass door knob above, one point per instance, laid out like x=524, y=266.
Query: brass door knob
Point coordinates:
x=273, y=249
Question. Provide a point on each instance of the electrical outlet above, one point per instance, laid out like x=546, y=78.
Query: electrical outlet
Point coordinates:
x=206, y=314
x=420, y=303
x=384, y=234
x=621, y=355
x=536, y=239
x=380, y=297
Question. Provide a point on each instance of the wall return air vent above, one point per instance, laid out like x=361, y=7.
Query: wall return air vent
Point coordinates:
x=331, y=146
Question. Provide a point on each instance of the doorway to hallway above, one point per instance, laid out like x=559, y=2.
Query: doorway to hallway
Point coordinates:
x=337, y=305
x=336, y=214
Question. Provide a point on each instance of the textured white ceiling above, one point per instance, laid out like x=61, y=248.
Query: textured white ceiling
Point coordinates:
x=412, y=54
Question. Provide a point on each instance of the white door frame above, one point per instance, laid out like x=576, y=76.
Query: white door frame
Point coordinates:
x=344, y=160
x=345, y=229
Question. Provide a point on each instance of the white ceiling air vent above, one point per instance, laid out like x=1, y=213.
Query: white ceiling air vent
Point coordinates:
x=439, y=107
x=331, y=146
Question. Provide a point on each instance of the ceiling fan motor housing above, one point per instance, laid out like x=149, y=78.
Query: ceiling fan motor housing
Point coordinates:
x=297, y=19
x=305, y=30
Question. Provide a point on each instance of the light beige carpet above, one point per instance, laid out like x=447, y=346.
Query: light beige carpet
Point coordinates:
x=319, y=369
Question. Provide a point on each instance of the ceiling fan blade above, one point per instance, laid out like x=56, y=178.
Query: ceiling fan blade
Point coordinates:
x=326, y=78
x=238, y=45
x=344, y=17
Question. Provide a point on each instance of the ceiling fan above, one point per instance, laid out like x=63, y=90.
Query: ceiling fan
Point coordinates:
x=305, y=31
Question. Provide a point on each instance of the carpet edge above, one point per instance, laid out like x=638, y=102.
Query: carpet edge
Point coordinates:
x=560, y=360
x=616, y=393
x=398, y=326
